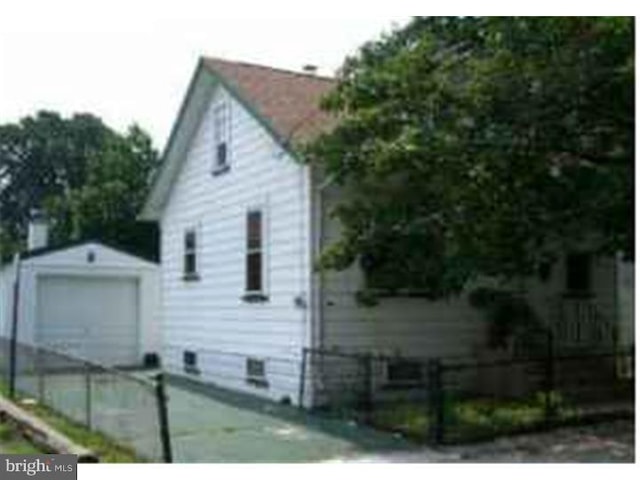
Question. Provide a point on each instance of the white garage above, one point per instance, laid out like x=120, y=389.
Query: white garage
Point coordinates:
x=88, y=300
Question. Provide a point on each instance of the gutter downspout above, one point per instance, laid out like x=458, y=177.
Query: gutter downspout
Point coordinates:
x=320, y=239
x=318, y=244
x=315, y=334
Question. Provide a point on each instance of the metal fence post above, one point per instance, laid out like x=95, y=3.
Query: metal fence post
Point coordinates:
x=367, y=395
x=87, y=380
x=40, y=375
x=549, y=375
x=436, y=401
x=12, y=368
x=13, y=345
x=163, y=418
x=303, y=378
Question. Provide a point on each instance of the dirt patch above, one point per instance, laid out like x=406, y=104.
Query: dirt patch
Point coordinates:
x=611, y=442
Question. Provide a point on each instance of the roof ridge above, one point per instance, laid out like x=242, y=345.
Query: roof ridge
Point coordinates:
x=269, y=67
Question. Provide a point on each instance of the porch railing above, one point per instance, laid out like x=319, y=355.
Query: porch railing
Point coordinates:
x=578, y=323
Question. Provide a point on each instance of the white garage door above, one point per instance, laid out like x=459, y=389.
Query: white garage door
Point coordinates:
x=94, y=318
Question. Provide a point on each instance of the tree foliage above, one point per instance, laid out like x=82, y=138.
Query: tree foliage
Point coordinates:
x=482, y=146
x=90, y=180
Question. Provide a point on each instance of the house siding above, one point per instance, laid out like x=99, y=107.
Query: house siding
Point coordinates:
x=451, y=327
x=209, y=316
x=398, y=325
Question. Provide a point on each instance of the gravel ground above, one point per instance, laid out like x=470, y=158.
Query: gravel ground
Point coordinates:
x=611, y=442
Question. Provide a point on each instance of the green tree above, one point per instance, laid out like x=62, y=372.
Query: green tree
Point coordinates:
x=89, y=179
x=481, y=146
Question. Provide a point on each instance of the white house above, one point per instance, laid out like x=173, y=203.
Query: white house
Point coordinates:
x=84, y=299
x=242, y=220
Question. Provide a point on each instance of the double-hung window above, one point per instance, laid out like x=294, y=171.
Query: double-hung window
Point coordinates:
x=190, y=261
x=221, y=126
x=255, y=261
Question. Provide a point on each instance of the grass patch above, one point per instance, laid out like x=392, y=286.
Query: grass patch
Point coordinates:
x=107, y=450
x=11, y=441
x=471, y=419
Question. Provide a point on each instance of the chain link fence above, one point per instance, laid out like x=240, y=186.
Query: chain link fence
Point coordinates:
x=128, y=407
x=452, y=400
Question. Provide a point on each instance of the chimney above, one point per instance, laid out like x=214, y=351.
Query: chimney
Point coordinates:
x=310, y=69
x=38, y=234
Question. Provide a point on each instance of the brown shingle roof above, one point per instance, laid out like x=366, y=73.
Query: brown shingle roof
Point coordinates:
x=290, y=101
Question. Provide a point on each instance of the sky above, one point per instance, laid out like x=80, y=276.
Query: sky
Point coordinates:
x=137, y=68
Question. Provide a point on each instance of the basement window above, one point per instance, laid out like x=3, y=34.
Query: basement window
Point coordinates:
x=256, y=373
x=404, y=374
x=190, y=362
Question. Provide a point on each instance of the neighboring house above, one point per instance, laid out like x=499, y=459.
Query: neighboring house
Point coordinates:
x=242, y=222
x=84, y=299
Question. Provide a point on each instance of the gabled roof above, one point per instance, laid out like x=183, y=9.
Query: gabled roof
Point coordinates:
x=52, y=249
x=290, y=101
x=285, y=103
x=38, y=252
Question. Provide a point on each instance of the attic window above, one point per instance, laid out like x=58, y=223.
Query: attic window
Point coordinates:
x=221, y=125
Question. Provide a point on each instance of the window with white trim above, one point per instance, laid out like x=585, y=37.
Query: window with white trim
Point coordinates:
x=190, y=261
x=254, y=283
x=256, y=372
x=222, y=129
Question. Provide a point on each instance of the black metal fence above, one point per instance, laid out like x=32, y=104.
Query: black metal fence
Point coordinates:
x=129, y=407
x=449, y=400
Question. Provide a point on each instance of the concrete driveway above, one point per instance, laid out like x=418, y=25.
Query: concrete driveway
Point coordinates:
x=209, y=425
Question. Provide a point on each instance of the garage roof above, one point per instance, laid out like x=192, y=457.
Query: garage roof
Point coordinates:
x=38, y=252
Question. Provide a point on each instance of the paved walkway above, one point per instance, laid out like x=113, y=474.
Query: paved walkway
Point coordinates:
x=210, y=425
